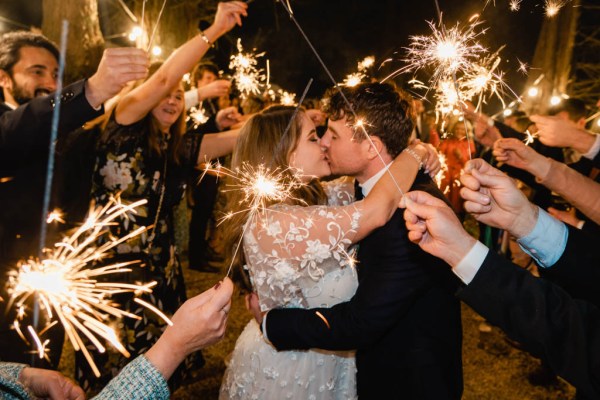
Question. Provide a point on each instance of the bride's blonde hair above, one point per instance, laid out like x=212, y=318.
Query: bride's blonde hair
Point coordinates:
x=264, y=141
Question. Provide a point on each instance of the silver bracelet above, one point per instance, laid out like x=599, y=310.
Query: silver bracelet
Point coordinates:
x=203, y=36
x=415, y=155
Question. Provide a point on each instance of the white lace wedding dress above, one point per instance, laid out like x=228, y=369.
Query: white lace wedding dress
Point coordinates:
x=297, y=257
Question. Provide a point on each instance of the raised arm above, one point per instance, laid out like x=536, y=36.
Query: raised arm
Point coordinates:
x=136, y=104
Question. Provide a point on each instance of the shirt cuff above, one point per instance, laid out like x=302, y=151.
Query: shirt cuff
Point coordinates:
x=547, y=242
x=263, y=328
x=191, y=98
x=594, y=150
x=467, y=268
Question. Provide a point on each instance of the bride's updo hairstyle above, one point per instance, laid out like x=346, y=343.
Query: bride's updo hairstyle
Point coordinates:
x=264, y=141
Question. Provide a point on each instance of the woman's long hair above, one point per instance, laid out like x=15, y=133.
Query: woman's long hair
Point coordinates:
x=152, y=130
x=263, y=141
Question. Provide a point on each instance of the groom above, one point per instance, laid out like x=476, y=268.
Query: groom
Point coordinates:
x=403, y=320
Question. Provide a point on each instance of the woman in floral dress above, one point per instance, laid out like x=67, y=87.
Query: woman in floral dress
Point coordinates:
x=297, y=253
x=143, y=153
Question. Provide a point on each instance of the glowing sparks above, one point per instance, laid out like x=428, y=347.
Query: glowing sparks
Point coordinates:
x=197, y=116
x=448, y=51
x=69, y=291
x=353, y=79
x=529, y=138
x=523, y=67
x=515, y=5
x=248, y=78
x=552, y=7
x=286, y=98
x=55, y=216
x=439, y=177
x=366, y=63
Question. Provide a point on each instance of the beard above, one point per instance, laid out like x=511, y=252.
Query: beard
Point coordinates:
x=22, y=96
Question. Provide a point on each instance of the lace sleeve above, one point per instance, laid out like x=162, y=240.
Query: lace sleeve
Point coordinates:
x=340, y=191
x=288, y=245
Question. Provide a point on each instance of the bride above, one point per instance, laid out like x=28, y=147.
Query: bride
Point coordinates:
x=297, y=253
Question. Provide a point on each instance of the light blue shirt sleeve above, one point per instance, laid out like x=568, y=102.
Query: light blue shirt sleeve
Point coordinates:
x=548, y=240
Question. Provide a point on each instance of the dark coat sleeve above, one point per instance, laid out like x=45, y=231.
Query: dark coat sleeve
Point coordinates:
x=577, y=271
x=543, y=317
x=29, y=125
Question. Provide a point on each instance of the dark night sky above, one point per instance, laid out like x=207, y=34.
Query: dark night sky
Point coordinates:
x=345, y=31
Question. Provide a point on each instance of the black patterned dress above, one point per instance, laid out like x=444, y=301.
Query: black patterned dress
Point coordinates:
x=125, y=164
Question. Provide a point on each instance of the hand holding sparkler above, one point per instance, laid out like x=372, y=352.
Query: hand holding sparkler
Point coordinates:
x=517, y=154
x=199, y=322
x=227, y=117
x=555, y=131
x=228, y=15
x=117, y=67
x=492, y=197
x=44, y=383
x=217, y=88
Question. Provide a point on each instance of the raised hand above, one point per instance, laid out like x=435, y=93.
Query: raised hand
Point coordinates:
x=493, y=198
x=228, y=15
x=199, y=322
x=435, y=228
x=217, y=88
x=117, y=67
x=555, y=131
x=516, y=154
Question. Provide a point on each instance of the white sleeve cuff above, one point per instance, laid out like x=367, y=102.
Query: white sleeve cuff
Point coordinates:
x=594, y=150
x=191, y=98
x=470, y=264
x=264, y=328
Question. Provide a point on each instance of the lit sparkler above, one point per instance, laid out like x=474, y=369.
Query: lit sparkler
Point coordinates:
x=552, y=7
x=55, y=216
x=439, y=177
x=354, y=79
x=366, y=63
x=515, y=5
x=529, y=138
x=447, y=50
x=286, y=98
x=69, y=291
x=197, y=116
x=248, y=78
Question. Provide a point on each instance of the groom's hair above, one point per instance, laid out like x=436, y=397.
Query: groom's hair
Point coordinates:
x=387, y=112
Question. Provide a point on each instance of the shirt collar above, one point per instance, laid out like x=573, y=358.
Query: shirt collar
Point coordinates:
x=368, y=185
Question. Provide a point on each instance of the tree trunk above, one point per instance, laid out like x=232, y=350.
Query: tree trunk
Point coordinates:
x=85, y=42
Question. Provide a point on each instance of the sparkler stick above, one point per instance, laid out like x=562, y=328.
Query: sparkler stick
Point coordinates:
x=337, y=87
x=593, y=116
x=141, y=44
x=156, y=25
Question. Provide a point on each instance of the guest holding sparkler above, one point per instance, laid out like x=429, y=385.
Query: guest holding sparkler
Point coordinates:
x=144, y=153
x=297, y=249
x=198, y=323
x=28, y=68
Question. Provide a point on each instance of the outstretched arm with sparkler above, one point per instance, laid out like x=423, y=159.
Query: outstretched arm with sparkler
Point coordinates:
x=580, y=191
x=136, y=104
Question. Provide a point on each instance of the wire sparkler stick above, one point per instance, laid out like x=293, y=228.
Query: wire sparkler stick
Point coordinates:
x=337, y=87
x=142, y=24
x=156, y=25
x=50, y=165
x=53, y=135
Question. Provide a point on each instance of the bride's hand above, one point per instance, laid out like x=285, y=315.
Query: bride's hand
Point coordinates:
x=253, y=306
x=429, y=156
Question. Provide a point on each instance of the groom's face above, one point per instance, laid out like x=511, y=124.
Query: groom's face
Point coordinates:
x=346, y=155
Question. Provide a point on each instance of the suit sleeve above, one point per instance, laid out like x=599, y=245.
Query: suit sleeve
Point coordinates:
x=29, y=125
x=543, y=317
x=388, y=291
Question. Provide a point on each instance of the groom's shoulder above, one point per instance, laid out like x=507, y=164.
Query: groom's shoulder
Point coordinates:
x=424, y=183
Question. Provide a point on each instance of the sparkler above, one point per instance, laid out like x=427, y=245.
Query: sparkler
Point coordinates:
x=247, y=76
x=55, y=216
x=515, y=5
x=286, y=98
x=260, y=187
x=197, y=116
x=447, y=50
x=67, y=289
x=366, y=63
x=529, y=138
x=354, y=79
x=552, y=7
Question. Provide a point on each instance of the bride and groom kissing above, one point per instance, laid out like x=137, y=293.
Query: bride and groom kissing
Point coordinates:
x=391, y=328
